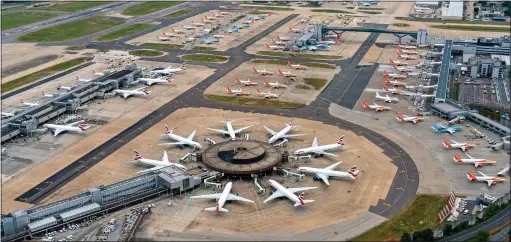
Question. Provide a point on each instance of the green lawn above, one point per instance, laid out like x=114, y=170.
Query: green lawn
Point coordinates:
x=420, y=214
x=301, y=86
x=273, y=8
x=126, y=31
x=8, y=86
x=72, y=6
x=71, y=30
x=269, y=4
x=452, y=21
x=16, y=19
x=259, y=12
x=284, y=62
x=252, y=101
x=171, y=46
x=203, y=48
x=473, y=28
x=76, y=47
x=148, y=7
x=205, y=58
x=179, y=13
x=146, y=52
x=367, y=8
x=315, y=82
x=286, y=54
x=401, y=25
x=330, y=11
x=369, y=12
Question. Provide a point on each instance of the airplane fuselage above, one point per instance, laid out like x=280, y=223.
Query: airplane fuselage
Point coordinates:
x=284, y=191
x=159, y=163
x=63, y=128
x=280, y=134
x=330, y=173
x=230, y=130
x=184, y=140
x=225, y=193
x=317, y=149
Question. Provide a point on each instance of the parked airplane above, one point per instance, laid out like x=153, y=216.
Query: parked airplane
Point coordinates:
x=151, y=81
x=296, y=66
x=248, y=22
x=169, y=70
x=195, y=24
x=211, y=18
x=220, y=36
x=491, y=180
x=181, y=141
x=83, y=80
x=177, y=31
x=393, y=90
x=405, y=118
x=283, y=38
x=30, y=104
x=289, y=193
x=412, y=52
x=421, y=87
x=278, y=42
x=376, y=107
x=209, y=41
x=231, y=132
x=246, y=83
x=56, y=129
x=330, y=42
x=316, y=150
x=406, y=57
x=170, y=34
x=455, y=145
x=221, y=198
x=163, y=38
x=233, y=30
x=262, y=72
x=69, y=88
x=156, y=163
x=49, y=95
x=207, y=21
x=286, y=73
x=238, y=92
x=393, y=75
x=136, y=92
x=295, y=30
x=394, y=82
x=99, y=73
x=274, y=84
x=7, y=114
x=189, y=27
x=282, y=134
x=386, y=99
x=327, y=172
x=472, y=160
x=267, y=94
x=451, y=129
x=398, y=63
x=274, y=47
x=401, y=69
x=406, y=46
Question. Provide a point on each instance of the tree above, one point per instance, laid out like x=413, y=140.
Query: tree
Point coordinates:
x=464, y=225
x=406, y=237
x=447, y=229
x=483, y=235
x=427, y=235
x=417, y=236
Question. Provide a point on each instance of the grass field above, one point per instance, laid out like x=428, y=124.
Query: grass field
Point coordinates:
x=41, y=74
x=76, y=47
x=148, y=7
x=273, y=8
x=71, y=30
x=284, y=62
x=369, y=12
x=330, y=11
x=473, y=28
x=205, y=58
x=16, y=19
x=171, y=46
x=301, y=86
x=401, y=25
x=146, y=52
x=179, y=13
x=268, y=4
x=72, y=6
x=203, y=48
x=315, y=82
x=453, y=21
x=366, y=8
x=286, y=54
x=259, y=12
x=253, y=102
x=126, y=31
x=419, y=215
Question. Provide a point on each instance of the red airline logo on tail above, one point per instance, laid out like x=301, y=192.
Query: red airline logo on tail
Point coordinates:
x=138, y=156
x=457, y=157
x=471, y=176
x=447, y=144
x=385, y=88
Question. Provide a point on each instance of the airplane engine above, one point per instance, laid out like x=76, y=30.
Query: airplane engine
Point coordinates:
x=315, y=178
x=316, y=155
x=181, y=146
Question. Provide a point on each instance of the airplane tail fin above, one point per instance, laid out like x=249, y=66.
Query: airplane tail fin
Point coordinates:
x=254, y=69
x=385, y=88
x=258, y=91
x=267, y=46
x=266, y=82
x=145, y=90
x=398, y=54
x=400, y=117
x=447, y=144
x=218, y=209
x=82, y=127
x=339, y=141
x=457, y=157
x=138, y=156
x=280, y=71
x=237, y=80
x=365, y=105
x=386, y=73
x=229, y=89
x=289, y=27
x=394, y=66
x=167, y=130
x=289, y=63
x=471, y=176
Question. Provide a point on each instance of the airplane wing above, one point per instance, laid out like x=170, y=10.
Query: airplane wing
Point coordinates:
x=270, y=130
x=292, y=135
x=57, y=131
x=173, y=143
x=454, y=142
x=323, y=177
x=469, y=156
x=75, y=123
x=241, y=129
x=482, y=174
x=219, y=130
x=490, y=182
x=315, y=142
x=140, y=89
x=450, y=131
x=503, y=172
x=209, y=196
x=190, y=137
x=333, y=166
x=299, y=189
x=125, y=95
x=275, y=194
x=238, y=198
x=325, y=153
x=165, y=157
x=151, y=169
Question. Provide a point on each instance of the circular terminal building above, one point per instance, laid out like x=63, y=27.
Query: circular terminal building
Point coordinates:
x=241, y=157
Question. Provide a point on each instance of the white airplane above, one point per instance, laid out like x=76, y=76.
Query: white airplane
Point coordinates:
x=455, y=145
x=296, y=66
x=274, y=84
x=405, y=118
x=237, y=92
x=401, y=69
x=56, y=129
x=398, y=63
x=220, y=36
x=169, y=70
x=221, y=198
x=282, y=134
x=163, y=38
x=248, y=22
x=83, y=80
x=406, y=57
x=189, y=27
x=421, y=87
x=393, y=75
x=472, y=160
x=295, y=30
x=49, y=95
x=376, y=107
x=170, y=34
x=386, y=99
x=394, y=82
x=207, y=21
x=156, y=163
x=181, y=141
x=177, y=31
x=283, y=38
x=330, y=42
x=196, y=24
x=69, y=88
x=248, y=82
x=99, y=73
x=286, y=73
x=208, y=17
x=394, y=90
x=491, y=180
x=127, y=93
x=316, y=150
x=262, y=72
x=406, y=46
x=278, y=42
x=7, y=114
x=268, y=94
x=151, y=81
x=289, y=193
x=274, y=47
x=190, y=39
x=412, y=52
x=30, y=104
x=327, y=172
x=230, y=131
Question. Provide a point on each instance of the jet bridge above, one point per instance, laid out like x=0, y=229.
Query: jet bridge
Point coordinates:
x=321, y=30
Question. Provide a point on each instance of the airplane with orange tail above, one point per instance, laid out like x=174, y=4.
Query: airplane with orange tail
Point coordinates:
x=397, y=63
x=295, y=30
x=376, y=107
x=406, y=57
x=237, y=92
x=401, y=69
x=472, y=160
x=394, y=83
x=411, y=52
x=491, y=180
x=393, y=75
x=296, y=66
x=393, y=90
x=286, y=73
x=274, y=47
x=455, y=145
x=274, y=84
x=248, y=82
x=414, y=119
x=262, y=72
x=283, y=38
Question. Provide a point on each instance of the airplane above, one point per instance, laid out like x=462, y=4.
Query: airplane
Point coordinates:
x=472, y=160
x=376, y=107
x=491, y=180
x=196, y=24
x=262, y=72
x=401, y=69
x=393, y=90
x=394, y=82
x=327, y=172
x=296, y=66
x=163, y=38
x=330, y=42
x=170, y=34
x=393, y=75
x=286, y=73
x=221, y=198
x=151, y=81
x=65, y=87
x=177, y=31
x=190, y=27
x=453, y=144
x=248, y=22
x=451, y=129
x=156, y=163
x=289, y=193
x=278, y=42
x=274, y=84
x=209, y=41
x=421, y=87
x=246, y=83
x=211, y=18
x=259, y=17
x=231, y=30
x=220, y=36
x=237, y=92
x=127, y=93
x=230, y=131
x=283, y=38
x=83, y=80
x=99, y=73
x=48, y=95
x=7, y=114
x=295, y=30
x=267, y=94
x=315, y=47
x=30, y=104
x=207, y=21
x=242, y=26
x=56, y=129
x=406, y=57
x=406, y=46
x=224, y=13
x=413, y=52
x=398, y=63
x=274, y=47
x=181, y=141
x=317, y=150
x=405, y=118
x=386, y=99
x=169, y=70
x=282, y=134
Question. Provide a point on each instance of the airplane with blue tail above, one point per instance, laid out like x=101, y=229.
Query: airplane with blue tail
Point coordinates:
x=209, y=41
x=451, y=129
x=316, y=47
x=230, y=31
